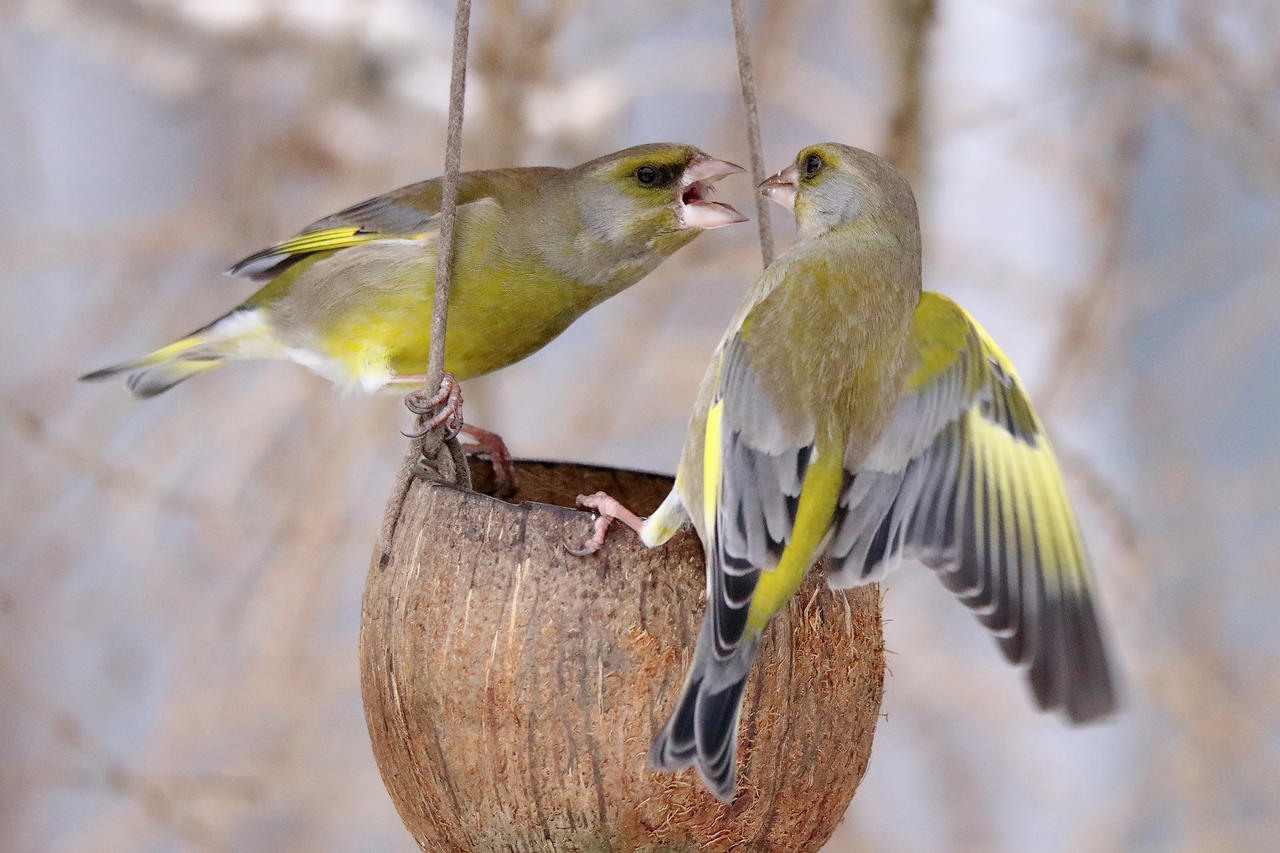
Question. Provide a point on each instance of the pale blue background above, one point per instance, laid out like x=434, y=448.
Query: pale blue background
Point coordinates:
x=180, y=579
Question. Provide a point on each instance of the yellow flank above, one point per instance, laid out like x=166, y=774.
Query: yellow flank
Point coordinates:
x=367, y=337
x=818, y=496
x=389, y=330
x=711, y=467
x=500, y=310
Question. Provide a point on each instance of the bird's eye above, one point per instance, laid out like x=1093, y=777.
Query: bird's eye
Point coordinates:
x=812, y=163
x=647, y=175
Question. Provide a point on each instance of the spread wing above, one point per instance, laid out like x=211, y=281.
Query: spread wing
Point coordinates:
x=965, y=481
x=411, y=212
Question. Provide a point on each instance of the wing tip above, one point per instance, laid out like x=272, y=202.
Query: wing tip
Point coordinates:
x=257, y=265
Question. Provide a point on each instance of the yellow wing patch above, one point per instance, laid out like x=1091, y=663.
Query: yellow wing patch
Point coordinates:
x=819, y=493
x=942, y=332
x=711, y=466
x=267, y=262
x=328, y=239
x=1036, y=503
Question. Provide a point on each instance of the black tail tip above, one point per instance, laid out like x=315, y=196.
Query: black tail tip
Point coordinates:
x=722, y=786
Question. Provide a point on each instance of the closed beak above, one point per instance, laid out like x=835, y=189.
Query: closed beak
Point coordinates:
x=782, y=187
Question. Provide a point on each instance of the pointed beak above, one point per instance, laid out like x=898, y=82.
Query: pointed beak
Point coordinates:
x=710, y=170
x=695, y=208
x=782, y=187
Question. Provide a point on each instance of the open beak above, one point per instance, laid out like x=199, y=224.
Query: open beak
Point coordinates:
x=695, y=208
x=782, y=187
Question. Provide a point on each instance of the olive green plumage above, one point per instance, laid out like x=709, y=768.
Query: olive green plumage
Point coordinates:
x=350, y=296
x=846, y=414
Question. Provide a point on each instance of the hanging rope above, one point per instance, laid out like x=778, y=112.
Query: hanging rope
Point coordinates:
x=747, y=77
x=434, y=452
x=449, y=196
x=432, y=448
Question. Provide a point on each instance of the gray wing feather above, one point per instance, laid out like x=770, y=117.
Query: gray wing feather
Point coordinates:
x=761, y=471
x=391, y=213
x=407, y=211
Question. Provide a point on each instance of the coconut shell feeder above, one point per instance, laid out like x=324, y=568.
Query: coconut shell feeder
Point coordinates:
x=511, y=688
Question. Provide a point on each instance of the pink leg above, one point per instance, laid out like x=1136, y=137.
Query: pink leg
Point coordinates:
x=448, y=398
x=490, y=444
x=608, y=509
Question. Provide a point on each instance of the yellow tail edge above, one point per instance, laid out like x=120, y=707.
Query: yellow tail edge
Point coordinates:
x=160, y=370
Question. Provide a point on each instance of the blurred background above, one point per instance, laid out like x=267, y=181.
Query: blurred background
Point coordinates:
x=1099, y=182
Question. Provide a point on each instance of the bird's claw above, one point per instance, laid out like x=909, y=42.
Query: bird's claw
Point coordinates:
x=446, y=404
x=419, y=403
x=607, y=510
x=599, y=527
x=490, y=444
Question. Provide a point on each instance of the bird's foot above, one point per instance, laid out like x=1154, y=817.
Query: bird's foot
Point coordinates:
x=607, y=510
x=446, y=403
x=490, y=444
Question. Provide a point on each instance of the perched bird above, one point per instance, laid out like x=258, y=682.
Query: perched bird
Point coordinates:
x=848, y=415
x=350, y=296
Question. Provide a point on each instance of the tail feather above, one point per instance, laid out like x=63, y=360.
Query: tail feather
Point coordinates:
x=703, y=729
x=151, y=381
x=159, y=371
x=232, y=335
x=717, y=735
x=676, y=745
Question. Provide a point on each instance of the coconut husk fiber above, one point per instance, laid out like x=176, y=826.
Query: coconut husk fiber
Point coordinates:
x=511, y=688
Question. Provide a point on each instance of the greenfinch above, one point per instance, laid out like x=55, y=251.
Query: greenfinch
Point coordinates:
x=848, y=415
x=350, y=296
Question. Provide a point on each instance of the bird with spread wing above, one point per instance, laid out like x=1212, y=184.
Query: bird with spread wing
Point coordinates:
x=846, y=414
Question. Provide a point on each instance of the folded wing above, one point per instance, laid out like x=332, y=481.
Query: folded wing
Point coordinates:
x=753, y=473
x=411, y=212
x=757, y=474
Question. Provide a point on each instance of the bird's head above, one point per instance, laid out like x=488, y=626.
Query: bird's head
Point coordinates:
x=829, y=185
x=658, y=195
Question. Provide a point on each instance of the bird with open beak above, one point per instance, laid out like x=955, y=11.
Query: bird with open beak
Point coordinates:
x=350, y=296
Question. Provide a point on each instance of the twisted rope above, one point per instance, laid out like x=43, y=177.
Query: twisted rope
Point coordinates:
x=747, y=77
x=449, y=195
x=431, y=445
x=433, y=452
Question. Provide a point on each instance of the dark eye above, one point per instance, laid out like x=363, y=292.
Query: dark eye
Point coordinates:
x=812, y=163
x=647, y=175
